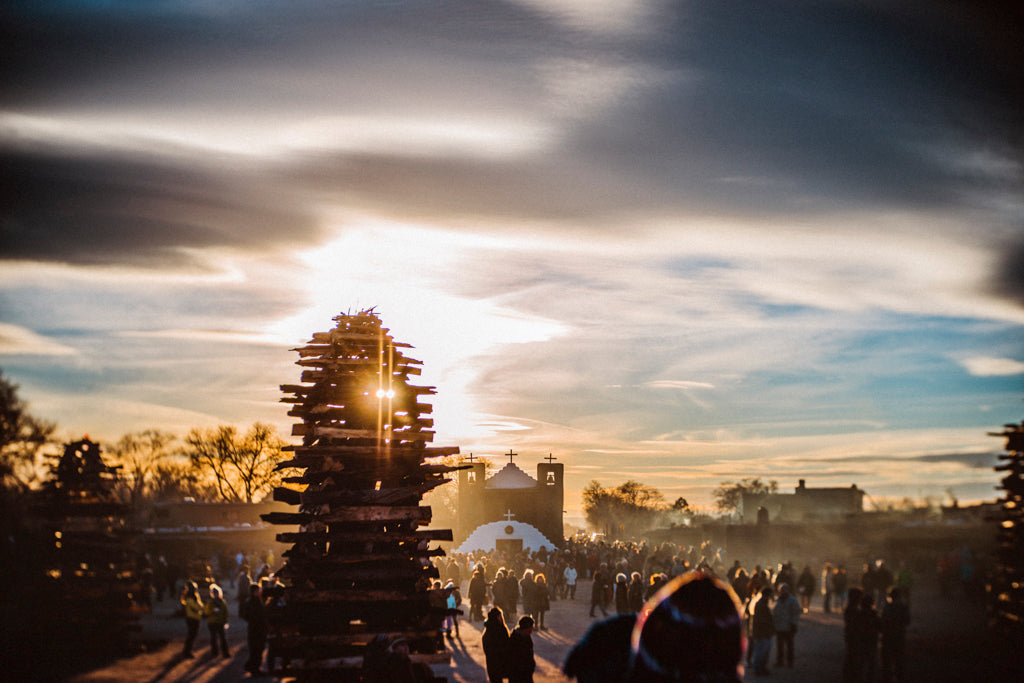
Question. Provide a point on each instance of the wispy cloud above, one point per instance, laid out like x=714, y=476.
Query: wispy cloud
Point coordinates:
x=679, y=384
x=986, y=366
x=16, y=340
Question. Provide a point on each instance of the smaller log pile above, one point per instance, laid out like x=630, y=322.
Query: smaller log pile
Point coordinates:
x=90, y=560
x=1007, y=588
x=360, y=568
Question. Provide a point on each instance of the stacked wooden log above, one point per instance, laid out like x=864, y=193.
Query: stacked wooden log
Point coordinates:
x=1007, y=588
x=90, y=559
x=360, y=565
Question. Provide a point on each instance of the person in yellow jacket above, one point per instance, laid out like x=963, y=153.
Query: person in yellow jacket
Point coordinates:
x=217, y=620
x=193, y=605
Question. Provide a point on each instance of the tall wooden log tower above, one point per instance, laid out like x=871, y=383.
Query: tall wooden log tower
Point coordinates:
x=90, y=557
x=1007, y=587
x=360, y=565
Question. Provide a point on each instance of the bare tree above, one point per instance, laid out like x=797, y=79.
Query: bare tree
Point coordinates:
x=729, y=494
x=623, y=511
x=242, y=467
x=22, y=438
x=140, y=454
x=176, y=478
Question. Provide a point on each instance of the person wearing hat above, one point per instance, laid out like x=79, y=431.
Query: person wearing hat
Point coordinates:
x=786, y=614
x=521, y=664
x=691, y=630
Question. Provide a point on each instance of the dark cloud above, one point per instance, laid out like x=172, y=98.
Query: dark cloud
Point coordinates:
x=820, y=105
x=82, y=207
x=313, y=55
x=781, y=108
x=984, y=460
x=1008, y=280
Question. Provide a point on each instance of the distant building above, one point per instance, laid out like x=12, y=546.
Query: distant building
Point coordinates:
x=511, y=495
x=192, y=516
x=186, y=530
x=804, y=505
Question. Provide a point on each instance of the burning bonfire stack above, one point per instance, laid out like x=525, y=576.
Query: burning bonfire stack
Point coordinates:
x=1007, y=588
x=90, y=561
x=360, y=571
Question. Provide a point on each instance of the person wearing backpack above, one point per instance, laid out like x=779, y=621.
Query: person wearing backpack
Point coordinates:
x=453, y=600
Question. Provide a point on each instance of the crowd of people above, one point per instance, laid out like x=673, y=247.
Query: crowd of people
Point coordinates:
x=873, y=603
x=161, y=576
x=624, y=576
x=512, y=594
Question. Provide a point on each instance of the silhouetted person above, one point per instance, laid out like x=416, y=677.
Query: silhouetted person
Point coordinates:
x=762, y=630
x=255, y=615
x=621, y=594
x=602, y=655
x=477, y=594
x=598, y=592
x=636, y=592
x=541, y=600
x=840, y=584
x=806, y=585
x=216, y=620
x=894, y=622
x=828, y=586
x=692, y=630
x=274, y=606
x=242, y=583
x=864, y=627
x=786, y=615
x=869, y=580
x=521, y=663
x=193, y=606
x=495, y=644
x=853, y=664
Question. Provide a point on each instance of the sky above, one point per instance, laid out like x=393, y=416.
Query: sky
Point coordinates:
x=675, y=242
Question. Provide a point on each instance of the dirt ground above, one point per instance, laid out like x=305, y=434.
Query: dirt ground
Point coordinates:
x=947, y=641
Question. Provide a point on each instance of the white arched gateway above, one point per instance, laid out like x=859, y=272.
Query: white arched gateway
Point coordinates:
x=505, y=536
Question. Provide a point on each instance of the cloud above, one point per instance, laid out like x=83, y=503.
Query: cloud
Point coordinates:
x=92, y=207
x=17, y=340
x=984, y=460
x=1008, y=277
x=986, y=366
x=808, y=212
x=679, y=384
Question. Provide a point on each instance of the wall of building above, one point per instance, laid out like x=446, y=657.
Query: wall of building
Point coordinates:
x=540, y=506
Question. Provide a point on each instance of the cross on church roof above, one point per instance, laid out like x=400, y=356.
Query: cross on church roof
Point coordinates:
x=470, y=458
x=508, y=516
x=511, y=455
x=550, y=458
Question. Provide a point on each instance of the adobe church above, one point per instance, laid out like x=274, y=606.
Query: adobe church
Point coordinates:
x=510, y=510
